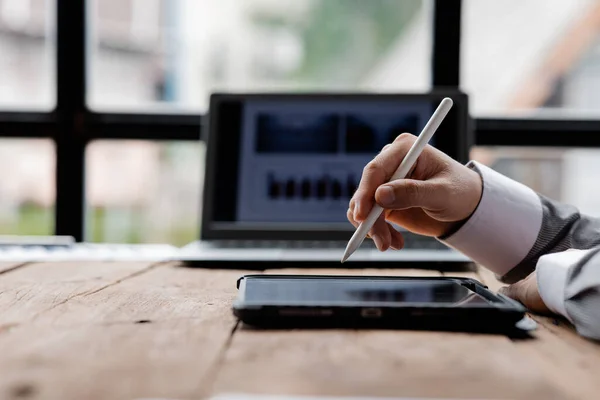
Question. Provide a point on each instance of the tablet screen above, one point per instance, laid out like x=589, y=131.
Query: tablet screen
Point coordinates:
x=349, y=291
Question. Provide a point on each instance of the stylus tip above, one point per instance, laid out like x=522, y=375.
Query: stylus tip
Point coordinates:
x=345, y=257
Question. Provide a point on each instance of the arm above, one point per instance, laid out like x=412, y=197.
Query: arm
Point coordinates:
x=562, y=228
x=569, y=284
x=513, y=227
x=499, y=223
x=541, y=236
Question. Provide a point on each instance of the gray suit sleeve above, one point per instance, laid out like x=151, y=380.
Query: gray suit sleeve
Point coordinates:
x=563, y=228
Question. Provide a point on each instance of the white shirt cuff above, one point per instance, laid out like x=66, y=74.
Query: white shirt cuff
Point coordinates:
x=552, y=273
x=505, y=225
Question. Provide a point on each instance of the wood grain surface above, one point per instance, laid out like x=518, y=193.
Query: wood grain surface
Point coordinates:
x=566, y=359
x=140, y=330
x=154, y=333
x=380, y=363
x=9, y=266
x=30, y=290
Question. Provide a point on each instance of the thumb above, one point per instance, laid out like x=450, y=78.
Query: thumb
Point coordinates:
x=406, y=193
x=513, y=291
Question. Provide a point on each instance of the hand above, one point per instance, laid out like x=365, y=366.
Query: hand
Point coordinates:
x=438, y=194
x=526, y=292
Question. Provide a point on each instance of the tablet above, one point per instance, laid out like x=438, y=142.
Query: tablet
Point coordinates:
x=303, y=301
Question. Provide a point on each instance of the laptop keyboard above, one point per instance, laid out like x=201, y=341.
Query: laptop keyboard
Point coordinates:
x=88, y=252
x=410, y=242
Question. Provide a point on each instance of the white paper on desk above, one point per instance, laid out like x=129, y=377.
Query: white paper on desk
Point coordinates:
x=242, y=396
x=90, y=252
x=288, y=397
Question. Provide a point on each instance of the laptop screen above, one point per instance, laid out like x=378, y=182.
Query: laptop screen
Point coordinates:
x=292, y=163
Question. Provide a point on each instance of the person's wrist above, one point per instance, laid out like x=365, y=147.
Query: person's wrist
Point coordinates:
x=450, y=228
x=474, y=193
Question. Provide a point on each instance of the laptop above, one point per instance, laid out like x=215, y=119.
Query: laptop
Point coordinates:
x=281, y=169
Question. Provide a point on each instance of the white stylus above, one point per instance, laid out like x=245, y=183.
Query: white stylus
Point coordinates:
x=405, y=166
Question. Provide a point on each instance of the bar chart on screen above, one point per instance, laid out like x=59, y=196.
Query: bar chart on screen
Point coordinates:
x=316, y=187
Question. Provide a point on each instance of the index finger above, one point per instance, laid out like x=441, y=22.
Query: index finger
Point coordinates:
x=377, y=172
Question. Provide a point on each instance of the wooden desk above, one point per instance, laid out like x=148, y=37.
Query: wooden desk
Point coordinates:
x=131, y=330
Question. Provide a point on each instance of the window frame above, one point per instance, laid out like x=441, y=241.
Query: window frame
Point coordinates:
x=72, y=125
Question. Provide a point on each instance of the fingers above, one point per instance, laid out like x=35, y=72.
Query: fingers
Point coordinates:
x=350, y=216
x=381, y=234
x=384, y=236
x=526, y=292
x=386, y=147
x=377, y=172
x=407, y=193
x=511, y=291
x=397, y=238
x=516, y=291
x=352, y=207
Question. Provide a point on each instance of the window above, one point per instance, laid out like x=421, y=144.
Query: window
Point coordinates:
x=27, y=186
x=532, y=69
x=565, y=174
x=531, y=57
x=143, y=192
x=158, y=52
x=28, y=54
x=151, y=65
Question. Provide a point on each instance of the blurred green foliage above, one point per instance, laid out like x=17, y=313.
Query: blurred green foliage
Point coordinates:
x=35, y=220
x=30, y=219
x=343, y=39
